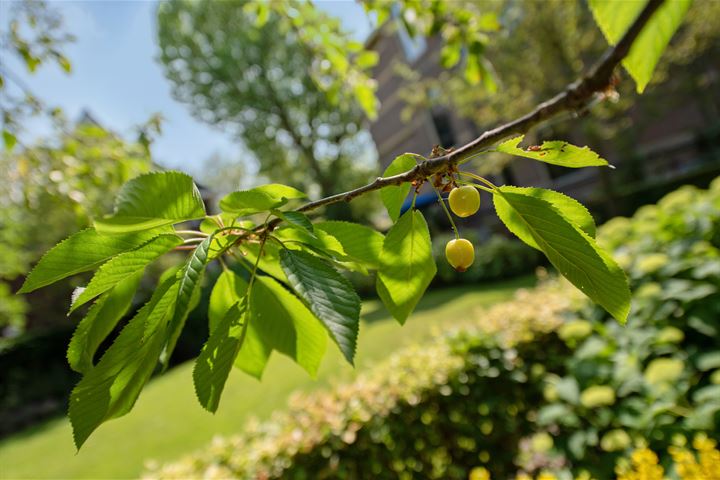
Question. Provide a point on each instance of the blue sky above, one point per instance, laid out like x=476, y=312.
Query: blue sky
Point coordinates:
x=115, y=76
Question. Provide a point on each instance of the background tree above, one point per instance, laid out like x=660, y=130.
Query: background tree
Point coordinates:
x=56, y=186
x=254, y=76
x=566, y=43
x=33, y=35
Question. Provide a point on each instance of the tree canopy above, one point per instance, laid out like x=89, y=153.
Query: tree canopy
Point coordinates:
x=254, y=78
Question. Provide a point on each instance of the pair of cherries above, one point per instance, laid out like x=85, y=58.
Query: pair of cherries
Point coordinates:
x=464, y=201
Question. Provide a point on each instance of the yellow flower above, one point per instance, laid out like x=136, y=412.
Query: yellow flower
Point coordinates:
x=644, y=467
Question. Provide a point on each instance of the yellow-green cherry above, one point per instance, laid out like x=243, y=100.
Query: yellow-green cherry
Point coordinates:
x=464, y=201
x=460, y=254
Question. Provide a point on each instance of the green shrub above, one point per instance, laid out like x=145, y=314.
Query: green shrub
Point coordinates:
x=653, y=378
x=509, y=394
x=428, y=411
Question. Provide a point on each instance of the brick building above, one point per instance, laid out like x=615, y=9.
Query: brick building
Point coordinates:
x=673, y=150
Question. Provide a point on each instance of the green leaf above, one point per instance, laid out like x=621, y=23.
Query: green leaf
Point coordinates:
x=295, y=219
x=82, y=251
x=575, y=254
x=330, y=296
x=110, y=389
x=285, y=324
x=259, y=199
x=320, y=241
x=213, y=365
x=153, y=200
x=573, y=211
x=555, y=152
x=365, y=96
x=125, y=265
x=278, y=321
x=9, y=139
x=451, y=53
x=406, y=265
x=393, y=196
x=358, y=241
x=189, y=281
x=614, y=18
x=269, y=260
x=100, y=320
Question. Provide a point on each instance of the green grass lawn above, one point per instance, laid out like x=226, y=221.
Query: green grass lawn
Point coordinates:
x=167, y=421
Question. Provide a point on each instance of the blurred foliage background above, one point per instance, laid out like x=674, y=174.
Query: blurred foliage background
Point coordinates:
x=295, y=91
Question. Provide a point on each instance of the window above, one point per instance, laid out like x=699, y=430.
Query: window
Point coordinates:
x=443, y=126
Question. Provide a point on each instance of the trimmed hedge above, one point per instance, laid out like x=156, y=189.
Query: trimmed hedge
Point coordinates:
x=547, y=382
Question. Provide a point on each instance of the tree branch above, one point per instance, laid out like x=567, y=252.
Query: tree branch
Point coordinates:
x=576, y=96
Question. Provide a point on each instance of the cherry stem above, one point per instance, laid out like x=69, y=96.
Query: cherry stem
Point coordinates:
x=447, y=212
x=481, y=179
x=473, y=184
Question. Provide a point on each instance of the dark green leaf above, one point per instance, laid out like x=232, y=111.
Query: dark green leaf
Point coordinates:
x=79, y=253
x=100, y=320
x=406, y=265
x=615, y=16
x=213, y=365
x=555, y=152
x=393, y=196
x=110, y=389
x=189, y=281
x=575, y=254
x=329, y=295
x=153, y=200
x=296, y=219
x=125, y=265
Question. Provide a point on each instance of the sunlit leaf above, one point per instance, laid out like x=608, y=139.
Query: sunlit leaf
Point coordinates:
x=358, y=241
x=82, y=251
x=614, y=18
x=213, y=365
x=279, y=322
x=125, y=265
x=110, y=389
x=406, y=265
x=575, y=254
x=153, y=200
x=189, y=282
x=556, y=152
x=99, y=322
x=574, y=211
x=393, y=196
x=259, y=199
